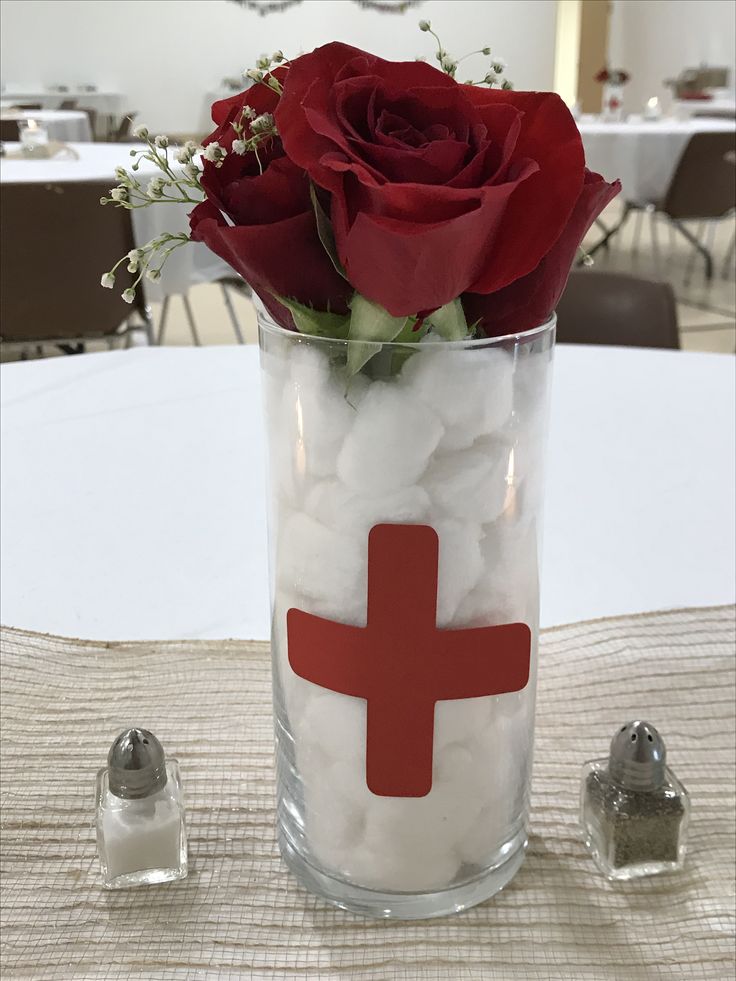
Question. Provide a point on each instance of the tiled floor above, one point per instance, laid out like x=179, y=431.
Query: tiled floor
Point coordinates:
x=706, y=311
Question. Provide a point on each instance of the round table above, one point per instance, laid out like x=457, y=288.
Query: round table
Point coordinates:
x=643, y=154
x=133, y=490
x=64, y=125
x=103, y=100
x=186, y=267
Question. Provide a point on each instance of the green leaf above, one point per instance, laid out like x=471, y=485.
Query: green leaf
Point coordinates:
x=449, y=321
x=317, y=323
x=370, y=323
x=326, y=232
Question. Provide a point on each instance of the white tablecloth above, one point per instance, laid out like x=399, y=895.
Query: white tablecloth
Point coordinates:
x=186, y=267
x=104, y=100
x=65, y=125
x=133, y=490
x=643, y=155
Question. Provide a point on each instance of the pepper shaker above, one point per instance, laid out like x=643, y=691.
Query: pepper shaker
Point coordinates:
x=633, y=809
x=141, y=834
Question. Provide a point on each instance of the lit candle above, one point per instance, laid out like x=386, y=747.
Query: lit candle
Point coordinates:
x=32, y=135
x=651, y=109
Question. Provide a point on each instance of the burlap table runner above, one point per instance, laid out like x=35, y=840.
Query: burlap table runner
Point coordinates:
x=240, y=914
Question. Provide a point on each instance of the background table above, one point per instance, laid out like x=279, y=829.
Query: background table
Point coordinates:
x=65, y=125
x=643, y=155
x=186, y=267
x=133, y=490
x=103, y=100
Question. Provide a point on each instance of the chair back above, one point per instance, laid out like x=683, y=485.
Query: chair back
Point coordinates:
x=704, y=183
x=9, y=131
x=28, y=106
x=715, y=114
x=92, y=115
x=618, y=309
x=56, y=240
x=124, y=131
x=68, y=104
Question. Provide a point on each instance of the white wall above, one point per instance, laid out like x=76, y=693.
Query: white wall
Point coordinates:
x=656, y=39
x=165, y=54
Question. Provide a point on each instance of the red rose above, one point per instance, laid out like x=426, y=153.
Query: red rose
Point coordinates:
x=530, y=300
x=268, y=235
x=437, y=188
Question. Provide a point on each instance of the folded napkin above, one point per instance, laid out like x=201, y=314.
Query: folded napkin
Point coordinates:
x=52, y=150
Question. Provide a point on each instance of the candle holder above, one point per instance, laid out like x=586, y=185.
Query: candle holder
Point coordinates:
x=33, y=136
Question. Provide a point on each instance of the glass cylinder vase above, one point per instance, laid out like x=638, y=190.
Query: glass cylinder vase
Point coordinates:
x=404, y=535
x=613, y=102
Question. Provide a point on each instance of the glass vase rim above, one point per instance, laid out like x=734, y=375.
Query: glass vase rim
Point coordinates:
x=267, y=323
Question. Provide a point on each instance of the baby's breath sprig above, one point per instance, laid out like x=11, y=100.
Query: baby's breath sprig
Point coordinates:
x=449, y=65
x=260, y=74
x=252, y=131
x=174, y=185
x=148, y=261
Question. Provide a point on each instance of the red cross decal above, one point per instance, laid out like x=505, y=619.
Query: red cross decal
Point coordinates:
x=400, y=662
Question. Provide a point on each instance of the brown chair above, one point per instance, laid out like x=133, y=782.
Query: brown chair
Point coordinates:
x=92, y=114
x=68, y=104
x=618, y=309
x=28, y=106
x=9, y=131
x=715, y=114
x=124, y=131
x=56, y=240
x=703, y=187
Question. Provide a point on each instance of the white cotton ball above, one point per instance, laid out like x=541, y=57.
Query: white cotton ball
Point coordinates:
x=502, y=761
x=470, y=390
x=460, y=565
x=469, y=484
x=335, y=723
x=334, y=820
x=316, y=414
x=411, y=843
x=507, y=590
x=336, y=506
x=388, y=867
x=459, y=720
x=390, y=443
x=327, y=567
x=532, y=384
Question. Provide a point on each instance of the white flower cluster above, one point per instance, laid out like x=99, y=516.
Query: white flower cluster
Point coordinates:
x=181, y=186
x=449, y=65
x=214, y=153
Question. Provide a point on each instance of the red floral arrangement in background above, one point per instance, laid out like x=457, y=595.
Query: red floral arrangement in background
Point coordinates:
x=612, y=76
x=340, y=175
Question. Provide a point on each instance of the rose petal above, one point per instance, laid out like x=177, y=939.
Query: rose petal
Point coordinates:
x=285, y=258
x=529, y=301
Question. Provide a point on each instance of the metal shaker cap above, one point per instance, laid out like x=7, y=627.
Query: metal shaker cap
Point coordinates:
x=637, y=757
x=136, y=765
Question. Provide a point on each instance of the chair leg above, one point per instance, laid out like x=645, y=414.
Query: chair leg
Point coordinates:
x=162, y=321
x=628, y=208
x=656, y=253
x=698, y=245
x=728, y=261
x=637, y=231
x=190, y=318
x=231, y=311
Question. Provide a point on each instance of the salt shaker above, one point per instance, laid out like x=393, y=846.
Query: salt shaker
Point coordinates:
x=141, y=835
x=633, y=809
